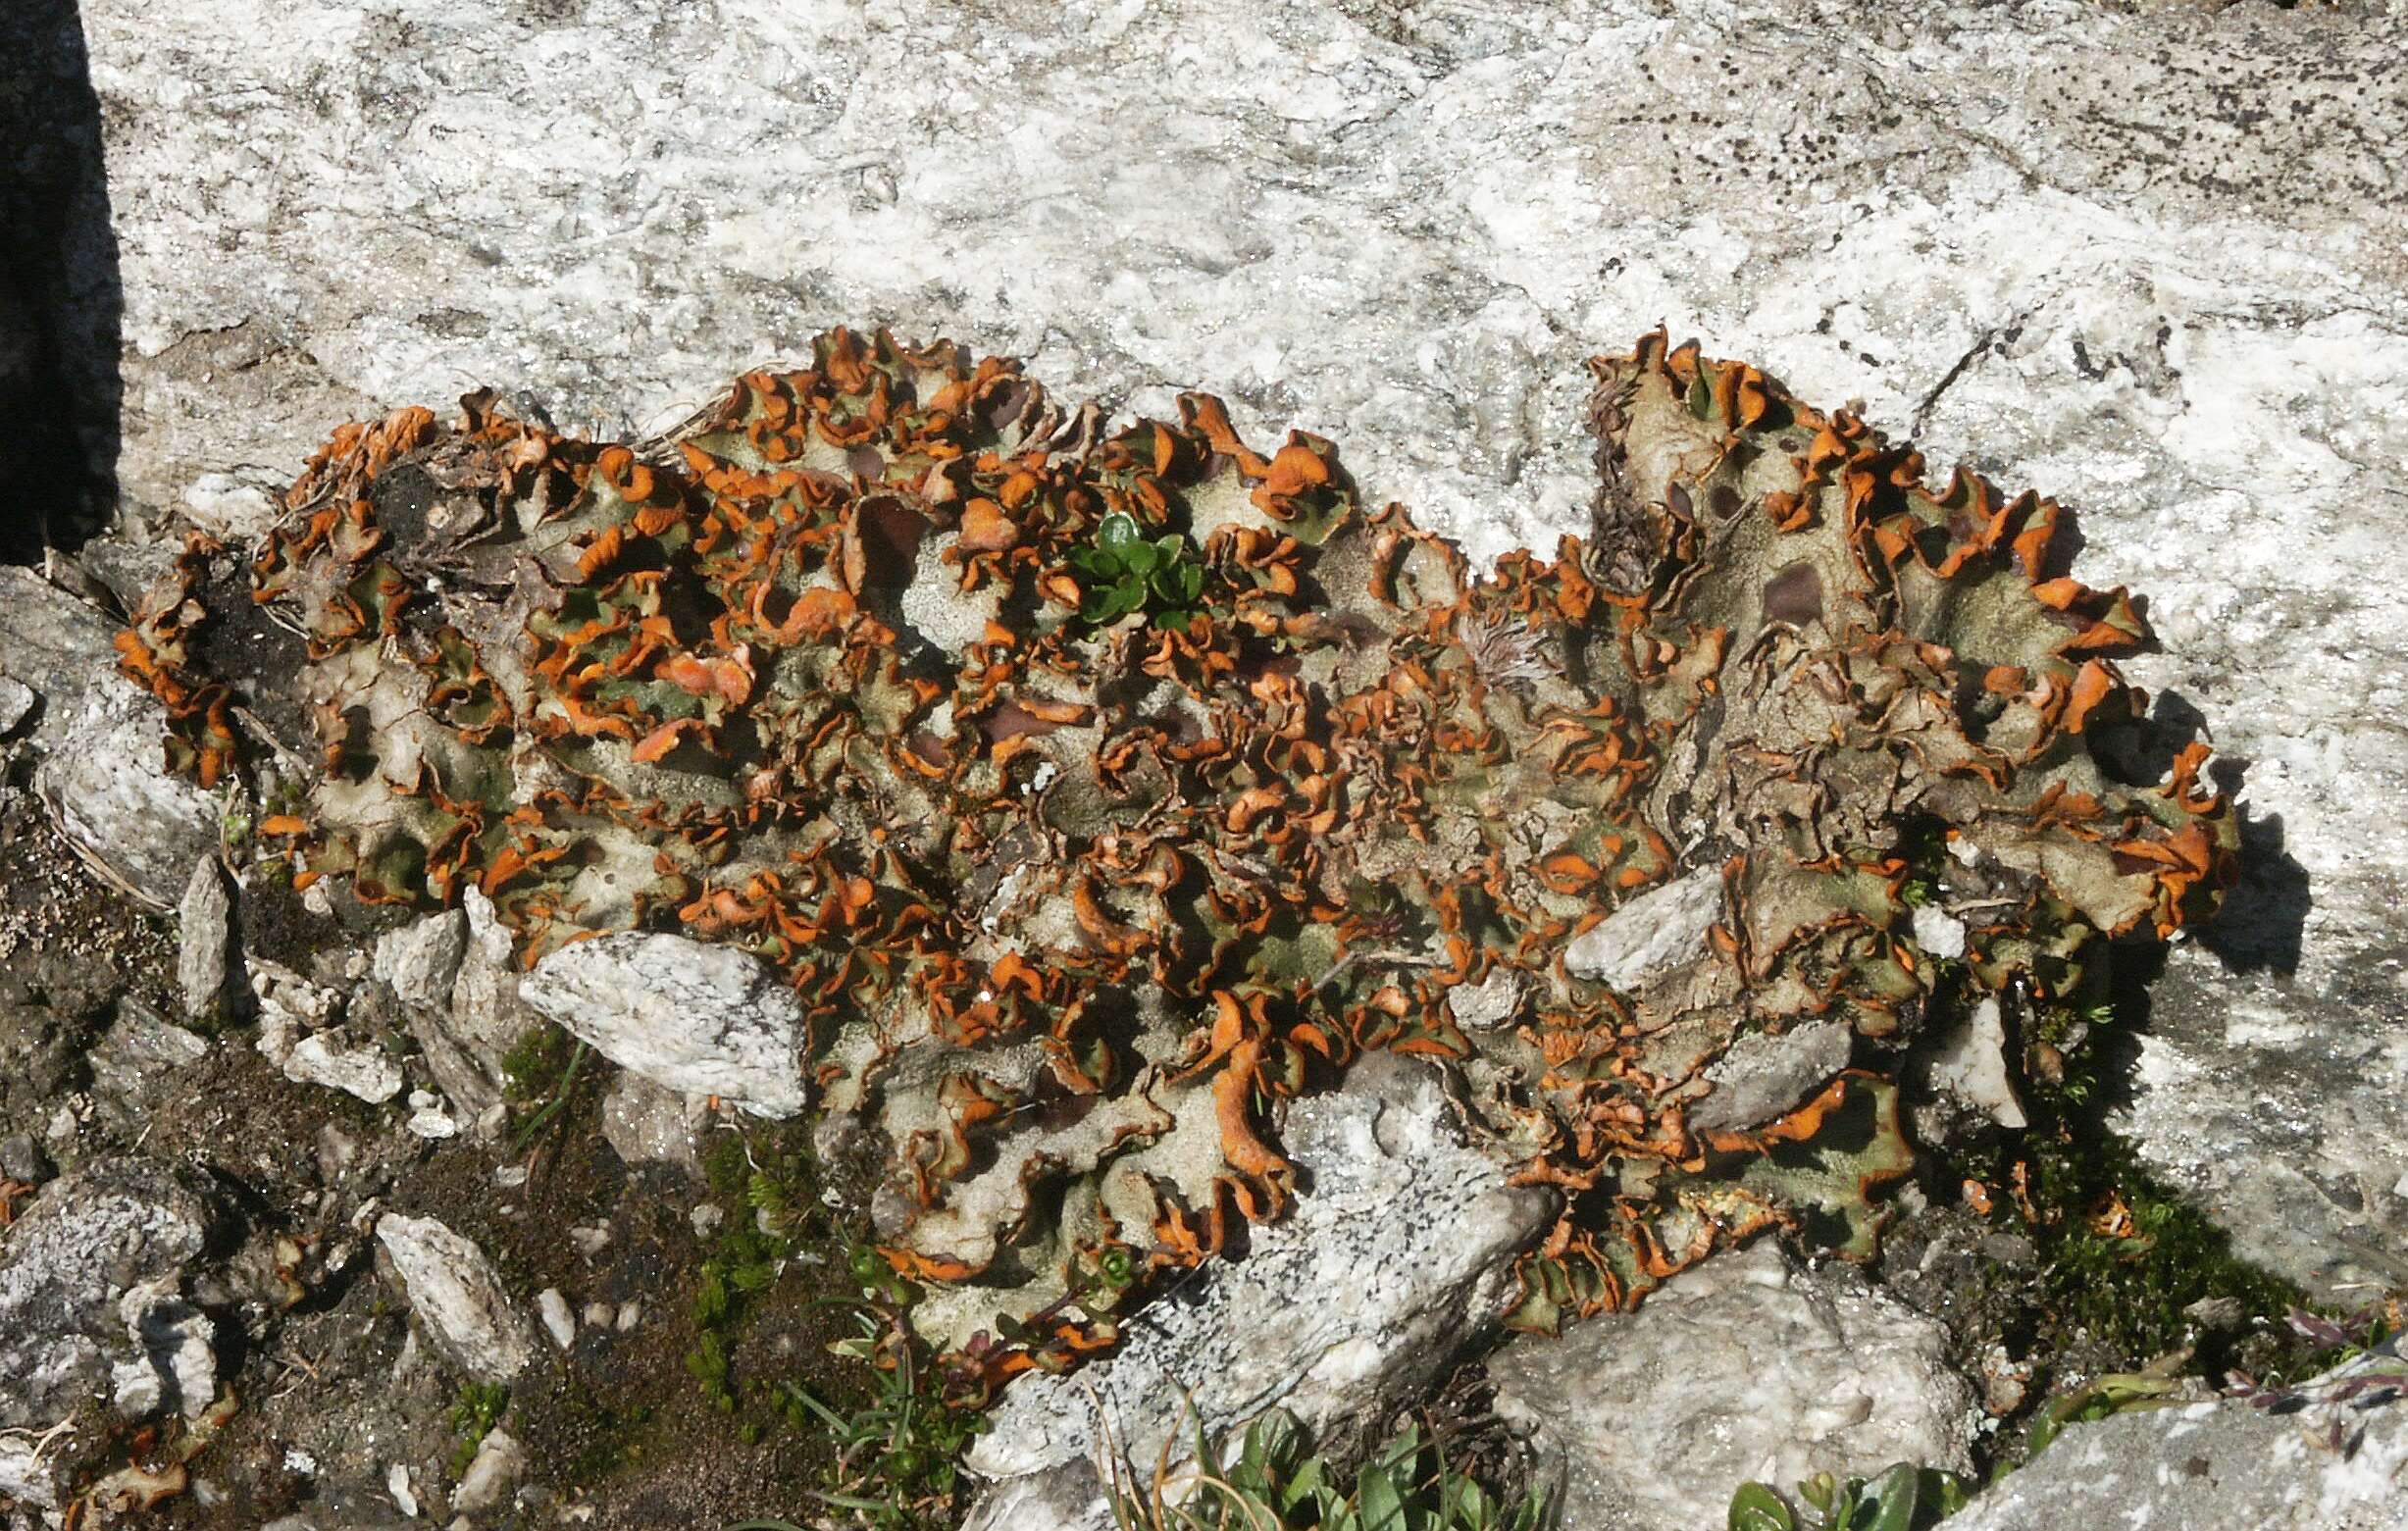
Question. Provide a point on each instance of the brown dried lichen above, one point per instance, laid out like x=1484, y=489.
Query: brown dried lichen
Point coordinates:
x=1074, y=904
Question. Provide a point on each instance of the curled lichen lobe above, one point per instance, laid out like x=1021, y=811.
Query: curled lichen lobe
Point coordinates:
x=1097, y=789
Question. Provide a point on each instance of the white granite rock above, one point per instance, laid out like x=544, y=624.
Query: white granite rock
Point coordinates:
x=694, y=1018
x=458, y=1299
x=1743, y=1368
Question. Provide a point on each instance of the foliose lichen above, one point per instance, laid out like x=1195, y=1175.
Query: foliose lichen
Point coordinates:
x=1081, y=869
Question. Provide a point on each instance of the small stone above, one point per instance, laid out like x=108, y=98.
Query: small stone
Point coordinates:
x=1406, y=1244
x=601, y=1315
x=491, y=1474
x=173, y=1366
x=397, y=1484
x=590, y=1240
x=1761, y=1075
x=1938, y=933
x=365, y=1072
x=428, y=1118
x=204, y=928
x=21, y=1159
x=553, y=1310
x=107, y=787
x=1742, y=1368
x=706, y=1218
x=645, y=1123
x=1972, y=1064
x=694, y=1018
x=457, y=1297
x=420, y=960
x=629, y=1315
x=1658, y=931
x=1488, y=1003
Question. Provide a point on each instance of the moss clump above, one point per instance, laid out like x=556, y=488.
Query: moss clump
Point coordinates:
x=1097, y=789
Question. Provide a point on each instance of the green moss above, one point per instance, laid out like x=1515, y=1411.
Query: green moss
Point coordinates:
x=534, y=1065
x=474, y=1416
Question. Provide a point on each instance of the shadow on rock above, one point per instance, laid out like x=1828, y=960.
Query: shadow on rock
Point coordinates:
x=61, y=303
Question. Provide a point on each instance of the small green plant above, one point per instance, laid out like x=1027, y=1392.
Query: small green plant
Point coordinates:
x=2363, y=1345
x=1275, y=1482
x=898, y=1454
x=2098, y=1399
x=479, y=1410
x=1126, y=572
x=1905, y=1498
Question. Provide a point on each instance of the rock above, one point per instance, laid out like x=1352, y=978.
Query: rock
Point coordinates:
x=421, y=960
x=2216, y=1466
x=2197, y=339
x=52, y=648
x=647, y=1124
x=1403, y=1248
x=500, y=1461
x=88, y=1311
x=691, y=1017
x=1761, y=1075
x=1969, y=1062
x=558, y=1321
x=203, y=971
x=16, y=701
x=137, y=1061
x=174, y=1368
x=1939, y=933
x=1069, y=1497
x=366, y=1071
x=457, y=982
x=107, y=785
x=1743, y=1368
x=1654, y=933
x=458, y=1299
x=232, y=507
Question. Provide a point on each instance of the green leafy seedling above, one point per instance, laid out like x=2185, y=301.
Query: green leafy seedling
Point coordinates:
x=1126, y=572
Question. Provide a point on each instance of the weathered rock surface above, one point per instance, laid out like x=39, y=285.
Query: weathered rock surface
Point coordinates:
x=1762, y=1076
x=2146, y=262
x=1660, y=929
x=89, y=1277
x=204, y=930
x=2221, y=1466
x=1396, y=1260
x=99, y=741
x=457, y=1297
x=54, y=646
x=1067, y=1498
x=695, y=1018
x=1743, y=1368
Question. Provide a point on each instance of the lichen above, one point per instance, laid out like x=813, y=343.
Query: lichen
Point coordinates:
x=1080, y=874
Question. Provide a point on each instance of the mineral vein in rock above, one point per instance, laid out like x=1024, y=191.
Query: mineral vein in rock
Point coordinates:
x=1095, y=789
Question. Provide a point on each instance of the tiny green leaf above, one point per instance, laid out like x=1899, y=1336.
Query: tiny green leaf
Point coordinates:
x=1755, y=1508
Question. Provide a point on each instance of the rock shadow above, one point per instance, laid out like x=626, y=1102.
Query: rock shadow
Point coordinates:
x=62, y=305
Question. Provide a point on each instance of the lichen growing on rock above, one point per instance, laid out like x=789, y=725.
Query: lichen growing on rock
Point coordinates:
x=1078, y=872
